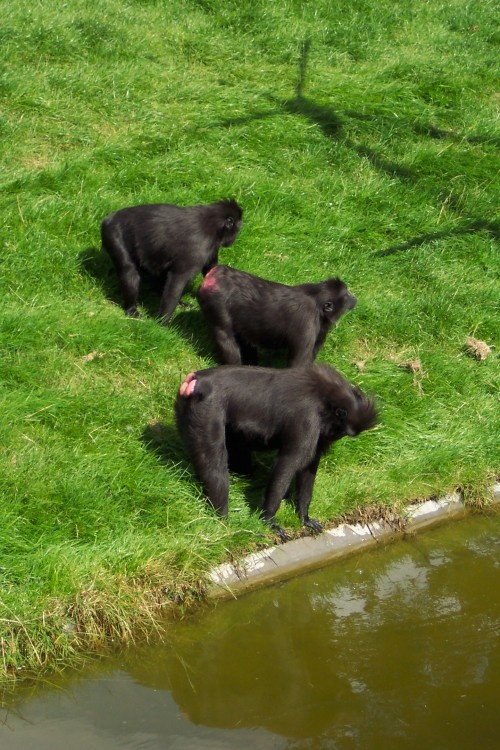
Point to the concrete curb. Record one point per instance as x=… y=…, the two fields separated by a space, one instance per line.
x=306 y=553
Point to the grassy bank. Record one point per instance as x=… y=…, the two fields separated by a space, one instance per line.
x=359 y=137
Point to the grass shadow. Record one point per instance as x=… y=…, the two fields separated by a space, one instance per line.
x=326 y=118
x=477 y=225
x=335 y=124
x=425 y=129
x=438 y=133
x=333 y=127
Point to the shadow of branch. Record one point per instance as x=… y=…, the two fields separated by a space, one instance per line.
x=477 y=225
x=333 y=123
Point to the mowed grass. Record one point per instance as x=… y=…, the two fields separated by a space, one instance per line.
x=361 y=139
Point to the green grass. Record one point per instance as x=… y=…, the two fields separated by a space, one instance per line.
x=360 y=139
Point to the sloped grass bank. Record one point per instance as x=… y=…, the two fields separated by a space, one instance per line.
x=360 y=139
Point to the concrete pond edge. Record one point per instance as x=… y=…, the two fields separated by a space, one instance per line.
x=299 y=555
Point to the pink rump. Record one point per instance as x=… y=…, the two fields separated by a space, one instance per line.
x=188 y=385
x=209 y=283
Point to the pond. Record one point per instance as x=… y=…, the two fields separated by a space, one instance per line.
x=397 y=647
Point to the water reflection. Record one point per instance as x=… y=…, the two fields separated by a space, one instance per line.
x=395 y=648
x=339 y=653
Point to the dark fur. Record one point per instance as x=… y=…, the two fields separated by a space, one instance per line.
x=246 y=312
x=167 y=240
x=231 y=411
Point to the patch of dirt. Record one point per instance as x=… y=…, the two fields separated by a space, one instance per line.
x=92 y=355
x=375 y=513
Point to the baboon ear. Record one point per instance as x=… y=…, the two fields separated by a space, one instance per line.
x=229 y=223
x=341 y=413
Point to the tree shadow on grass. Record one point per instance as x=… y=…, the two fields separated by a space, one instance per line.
x=477 y=225
x=334 y=124
x=425 y=129
x=438 y=133
x=331 y=125
x=327 y=119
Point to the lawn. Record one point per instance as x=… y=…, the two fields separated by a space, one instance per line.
x=360 y=138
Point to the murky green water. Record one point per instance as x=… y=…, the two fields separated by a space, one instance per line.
x=395 y=648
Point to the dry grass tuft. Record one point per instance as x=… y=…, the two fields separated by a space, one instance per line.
x=477 y=349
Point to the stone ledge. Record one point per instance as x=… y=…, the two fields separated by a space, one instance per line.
x=281 y=561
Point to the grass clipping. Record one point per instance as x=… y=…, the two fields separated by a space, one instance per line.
x=476 y=348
